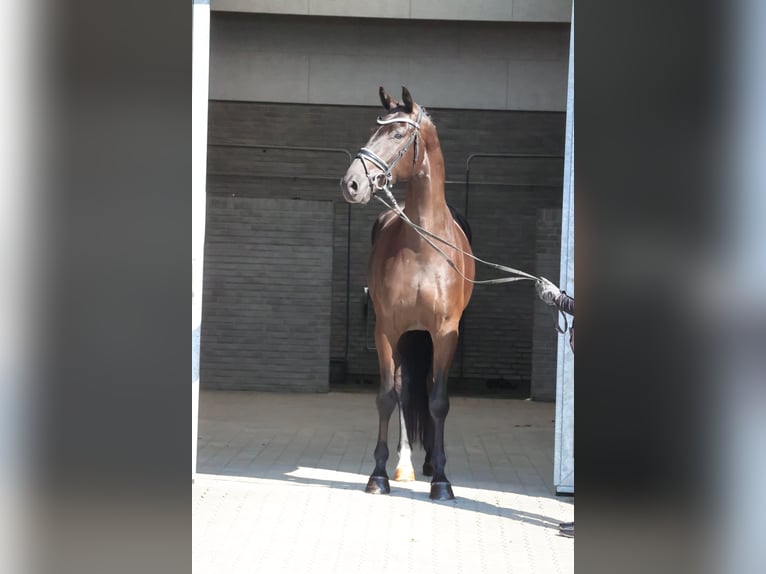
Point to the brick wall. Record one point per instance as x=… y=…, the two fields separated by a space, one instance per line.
x=504 y=199
x=266 y=294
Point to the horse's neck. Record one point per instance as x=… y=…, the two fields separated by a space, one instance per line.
x=425 y=203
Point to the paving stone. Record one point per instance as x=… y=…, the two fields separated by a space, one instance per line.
x=280 y=489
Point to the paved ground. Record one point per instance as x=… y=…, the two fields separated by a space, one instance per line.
x=281 y=478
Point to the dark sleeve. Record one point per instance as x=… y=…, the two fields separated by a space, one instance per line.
x=565 y=303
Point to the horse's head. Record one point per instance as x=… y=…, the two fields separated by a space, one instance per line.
x=392 y=153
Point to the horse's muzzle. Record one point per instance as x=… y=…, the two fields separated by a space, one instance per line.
x=355 y=187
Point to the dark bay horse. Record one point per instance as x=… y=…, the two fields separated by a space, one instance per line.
x=417 y=296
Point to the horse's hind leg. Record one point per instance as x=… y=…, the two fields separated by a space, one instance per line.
x=404 y=471
x=438 y=403
x=386 y=401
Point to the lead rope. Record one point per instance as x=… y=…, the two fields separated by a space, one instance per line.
x=425 y=234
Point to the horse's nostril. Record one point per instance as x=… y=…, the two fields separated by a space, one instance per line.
x=353 y=185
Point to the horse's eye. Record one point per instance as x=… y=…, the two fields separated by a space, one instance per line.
x=398 y=135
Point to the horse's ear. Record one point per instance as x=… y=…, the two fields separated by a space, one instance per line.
x=385 y=99
x=407 y=100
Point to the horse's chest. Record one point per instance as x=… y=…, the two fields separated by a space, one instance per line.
x=410 y=284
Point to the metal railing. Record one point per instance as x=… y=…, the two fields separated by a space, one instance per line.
x=468 y=161
x=473 y=156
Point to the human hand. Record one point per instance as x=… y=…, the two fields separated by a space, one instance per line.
x=547 y=291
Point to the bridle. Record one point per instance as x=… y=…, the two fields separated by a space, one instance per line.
x=381 y=181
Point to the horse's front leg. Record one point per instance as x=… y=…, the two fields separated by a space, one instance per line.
x=386 y=401
x=438 y=404
x=428 y=442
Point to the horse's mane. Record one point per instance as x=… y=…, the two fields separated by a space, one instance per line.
x=462 y=223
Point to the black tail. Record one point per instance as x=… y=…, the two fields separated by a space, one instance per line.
x=415 y=350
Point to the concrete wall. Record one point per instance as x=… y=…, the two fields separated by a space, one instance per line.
x=492 y=10
x=505 y=198
x=342 y=61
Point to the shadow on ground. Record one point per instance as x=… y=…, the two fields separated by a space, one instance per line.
x=463 y=500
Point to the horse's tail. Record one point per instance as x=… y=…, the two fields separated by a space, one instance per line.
x=416 y=351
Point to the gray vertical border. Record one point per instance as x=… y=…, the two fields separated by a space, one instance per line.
x=200 y=76
x=563 y=465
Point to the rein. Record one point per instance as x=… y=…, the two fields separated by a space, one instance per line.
x=382 y=182
x=425 y=234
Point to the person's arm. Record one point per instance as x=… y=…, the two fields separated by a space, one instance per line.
x=565 y=303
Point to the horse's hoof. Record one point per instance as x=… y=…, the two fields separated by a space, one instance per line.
x=406 y=474
x=428 y=469
x=378 y=485
x=441 y=491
